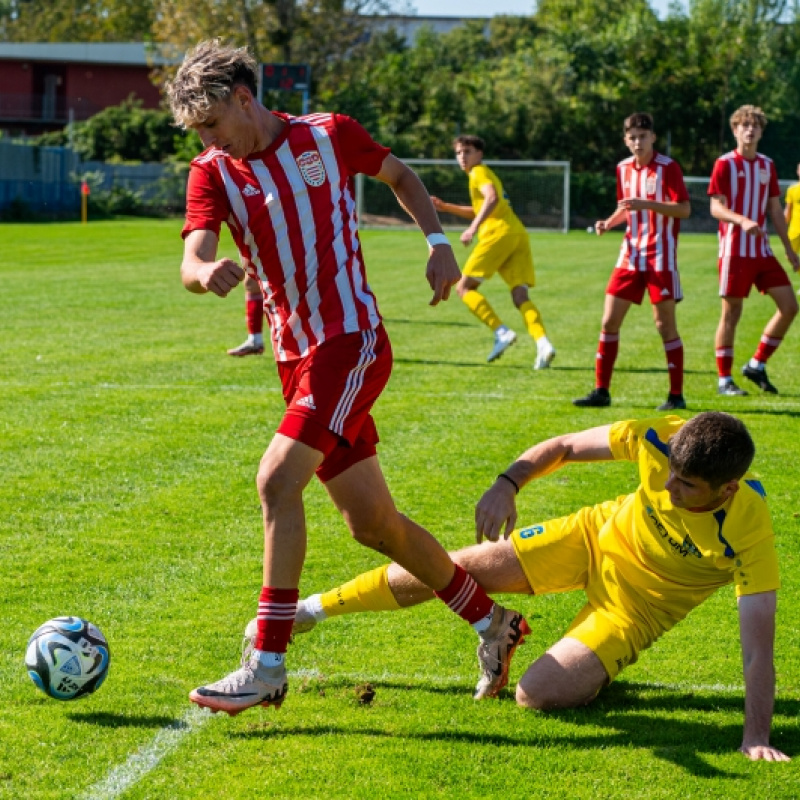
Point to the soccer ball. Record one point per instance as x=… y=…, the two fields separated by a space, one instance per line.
x=67 y=658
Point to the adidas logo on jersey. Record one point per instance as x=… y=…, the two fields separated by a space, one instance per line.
x=250 y=191
x=307 y=402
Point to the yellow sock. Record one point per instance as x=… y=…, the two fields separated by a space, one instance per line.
x=481 y=308
x=368 y=592
x=533 y=320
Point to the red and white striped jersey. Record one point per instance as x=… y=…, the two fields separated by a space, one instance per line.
x=291 y=211
x=651 y=239
x=746 y=186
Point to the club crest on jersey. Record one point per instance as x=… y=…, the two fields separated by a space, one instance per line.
x=311 y=168
x=763 y=176
x=652 y=183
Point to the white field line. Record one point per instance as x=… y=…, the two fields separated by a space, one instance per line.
x=147 y=758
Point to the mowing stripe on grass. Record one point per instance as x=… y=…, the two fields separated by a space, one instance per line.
x=121 y=778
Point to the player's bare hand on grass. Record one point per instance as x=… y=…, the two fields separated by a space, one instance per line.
x=442 y=273
x=763 y=752
x=220 y=276
x=600 y=227
x=496 y=509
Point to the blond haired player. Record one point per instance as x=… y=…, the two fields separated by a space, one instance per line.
x=697 y=521
x=285 y=186
x=503 y=247
x=744 y=192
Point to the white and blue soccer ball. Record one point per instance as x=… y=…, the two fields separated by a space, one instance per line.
x=67 y=658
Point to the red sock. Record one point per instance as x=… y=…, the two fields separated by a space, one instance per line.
x=724 y=361
x=766 y=347
x=276 y=610
x=254 y=309
x=607 y=350
x=465 y=597
x=674 y=352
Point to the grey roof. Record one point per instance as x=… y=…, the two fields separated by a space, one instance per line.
x=138 y=54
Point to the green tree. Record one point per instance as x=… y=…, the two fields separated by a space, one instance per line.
x=76 y=20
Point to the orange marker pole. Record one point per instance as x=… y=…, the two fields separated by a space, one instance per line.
x=84 y=202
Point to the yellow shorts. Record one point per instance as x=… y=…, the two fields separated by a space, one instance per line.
x=795 y=243
x=503 y=249
x=562 y=555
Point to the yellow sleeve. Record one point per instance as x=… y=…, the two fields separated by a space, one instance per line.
x=625 y=438
x=757 y=568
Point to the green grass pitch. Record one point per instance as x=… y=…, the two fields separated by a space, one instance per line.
x=128 y=447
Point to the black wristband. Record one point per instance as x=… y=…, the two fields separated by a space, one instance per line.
x=510 y=480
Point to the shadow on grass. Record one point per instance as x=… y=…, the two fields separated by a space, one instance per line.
x=105 y=719
x=427 y=323
x=622 y=710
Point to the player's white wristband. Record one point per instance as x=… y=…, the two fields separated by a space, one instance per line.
x=437 y=238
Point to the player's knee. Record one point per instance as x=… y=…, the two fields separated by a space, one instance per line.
x=790 y=312
x=376 y=528
x=274 y=485
x=543 y=698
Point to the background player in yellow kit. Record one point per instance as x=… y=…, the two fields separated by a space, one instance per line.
x=503 y=247
x=696 y=522
x=792 y=214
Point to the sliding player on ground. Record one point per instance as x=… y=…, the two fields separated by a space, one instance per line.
x=697 y=521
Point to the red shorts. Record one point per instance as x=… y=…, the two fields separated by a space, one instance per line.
x=738 y=274
x=630 y=284
x=329 y=395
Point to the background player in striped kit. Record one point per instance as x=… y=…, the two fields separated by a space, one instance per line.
x=253 y=345
x=744 y=190
x=652 y=199
x=285 y=187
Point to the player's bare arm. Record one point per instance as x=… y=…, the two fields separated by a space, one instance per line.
x=757 y=633
x=453 y=208
x=442 y=271
x=490 y=201
x=778 y=220
x=497 y=510
x=720 y=211
x=668 y=208
x=202 y=272
x=617 y=218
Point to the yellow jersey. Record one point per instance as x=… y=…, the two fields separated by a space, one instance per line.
x=673 y=557
x=502 y=215
x=793 y=197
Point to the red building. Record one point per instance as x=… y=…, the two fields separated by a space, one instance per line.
x=43 y=86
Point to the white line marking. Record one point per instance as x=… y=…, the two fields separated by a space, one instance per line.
x=146 y=759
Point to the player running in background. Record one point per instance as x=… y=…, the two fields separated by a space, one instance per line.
x=253 y=345
x=285 y=187
x=503 y=247
x=696 y=522
x=792 y=214
x=652 y=200
x=744 y=191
